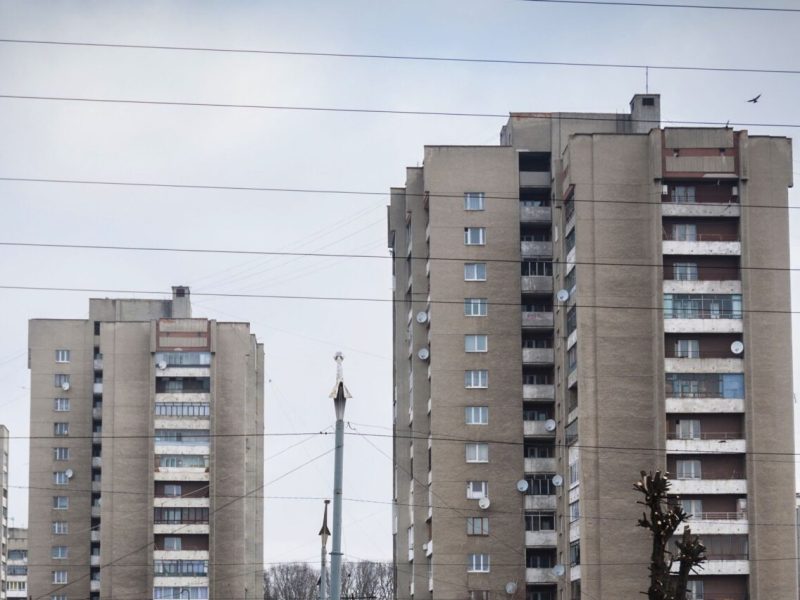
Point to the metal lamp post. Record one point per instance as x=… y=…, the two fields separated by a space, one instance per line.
x=340 y=396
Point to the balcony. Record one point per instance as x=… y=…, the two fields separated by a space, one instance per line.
x=728 y=443
x=98 y=364
x=96 y=511
x=536 y=429
x=704 y=209
x=721 y=567
x=94 y=560
x=702 y=248
x=702 y=325
x=429 y=548
x=540 y=576
x=94 y=535
x=534 y=179
x=180 y=528
x=94 y=585
x=195 y=397
x=540 y=465
x=537 y=356
x=718 y=523
x=97 y=388
x=541 y=538
x=537 y=284
x=96 y=485
x=97 y=412
x=704 y=405
x=180 y=555
x=180 y=474
x=97 y=462
x=538 y=392
x=704 y=286
x=537 y=320
x=704 y=365
x=532 y=249
x=535 y=214
x=694 y=487
x=540 y=502
x=181 y=502
x=178 y=371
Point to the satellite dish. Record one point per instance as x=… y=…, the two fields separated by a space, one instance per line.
x=162 y=365
x=422 y=317
x=562 y=295
x=737 y=347
x=511 y=587
x=559 y=570
x=558 y=480
x=522 y=486
x=550 y=425
x=484 y=503
x=69 y=473
x=65 y=386
x=423 y=354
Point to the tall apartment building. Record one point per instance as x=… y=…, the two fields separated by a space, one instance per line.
x=593 y=297
x=4 y=514
x=17 y=580
x=146 y=458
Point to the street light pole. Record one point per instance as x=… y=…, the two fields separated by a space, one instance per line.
x=340 y=396
x=323 y=568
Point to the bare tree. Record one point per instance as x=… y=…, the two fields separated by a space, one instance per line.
x=362 y=580
x=291 y=581
x=366 y=580
x=662 y=521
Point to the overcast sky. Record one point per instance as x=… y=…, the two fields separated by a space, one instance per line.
x=306 y=150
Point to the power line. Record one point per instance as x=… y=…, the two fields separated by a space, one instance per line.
x=360 y=299
x=662 y=5
x=385 y=111
x=404 y=57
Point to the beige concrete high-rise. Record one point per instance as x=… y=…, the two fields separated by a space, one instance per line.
x=146 y=459
x=593 y=297
x=17 y=571
x=4 y=513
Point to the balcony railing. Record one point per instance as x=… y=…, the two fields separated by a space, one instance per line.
x=723 y=353
x=706 y=435
x=700 y=237
x=718 y=516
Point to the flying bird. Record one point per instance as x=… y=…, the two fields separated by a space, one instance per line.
x=754 y=100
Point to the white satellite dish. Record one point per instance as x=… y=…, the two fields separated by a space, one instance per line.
x=562 y=295
x=65 y=386
x=422 y=317
x=737 y=347
x=423 y=353
x=69 y=473
x=162 y=365
x=550 y=425
x=511 y=587
x=559 y=570
x=558 y=480
x=484 y=503
x=522 y=486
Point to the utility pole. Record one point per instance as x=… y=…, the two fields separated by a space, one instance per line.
x=323 y=569
x=340 y=396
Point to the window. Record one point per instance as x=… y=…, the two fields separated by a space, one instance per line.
x=572 y=320
x=694 y=589
x=182 y=409
x=571 y=433
x=540 y=558
x=60 y=502
x=684 y=271
x=574 y=473
x=537 y=268
x=477 y=525
x=61 y=404
x=705 y=385
x=475 y=307
x=693 y=508
x=60 y=478
x=574 y=553
x=540 y=484
x=688 y=469
x=59 y=552
x=574 y=511
x=184 y=359
x=59 y=527
x=572 y=358
x=539 y=449
x=182 y=436
x=172 y=543
x=58 y=597
x=60 y=453
x=172 y=490
x=477 y=563
x=62 y=356
x=569 y=241
x=537 y=379
x=687 y=348
x=475 y=236
x=476 y=379
x=183 y=460
x=474 y=201
x=60 y=429
x=60 y=577
x=180 y=593
x=180 y=568
x=477 y=489
x=540 y=521
x=687 y=429
x=59 y=379
x=476 y=343
x=684 y=232
x=184 y=514
x=479 y=595
x=474 y=271
x=476 y=415
x=477 y=453
x=683 y=194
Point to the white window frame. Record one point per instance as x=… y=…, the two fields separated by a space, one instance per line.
x=476 y=307
x=685 y=271
x=474 y=201
x=475 y=271
x=60 y=429
x=476 y=342
x=477 y=489
x=60 y=502
x=477 y=452
x=478 y=563
x=61 y=404
x=60 y=577
x=60 y=379
x=59 y=552
x=168 y=488
x=688 y=469
x=60 y=478
x=694 y=589
x=684 y=232
x=476 y=415
x=172 y=542
x=60 y=453
x=687 y=348
x=62 y=356
x=474 y=236
x=574 y=511
x=693 y=507
x=59 y=527
x=476 y=379
x=688 y=429
x=477 y=525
